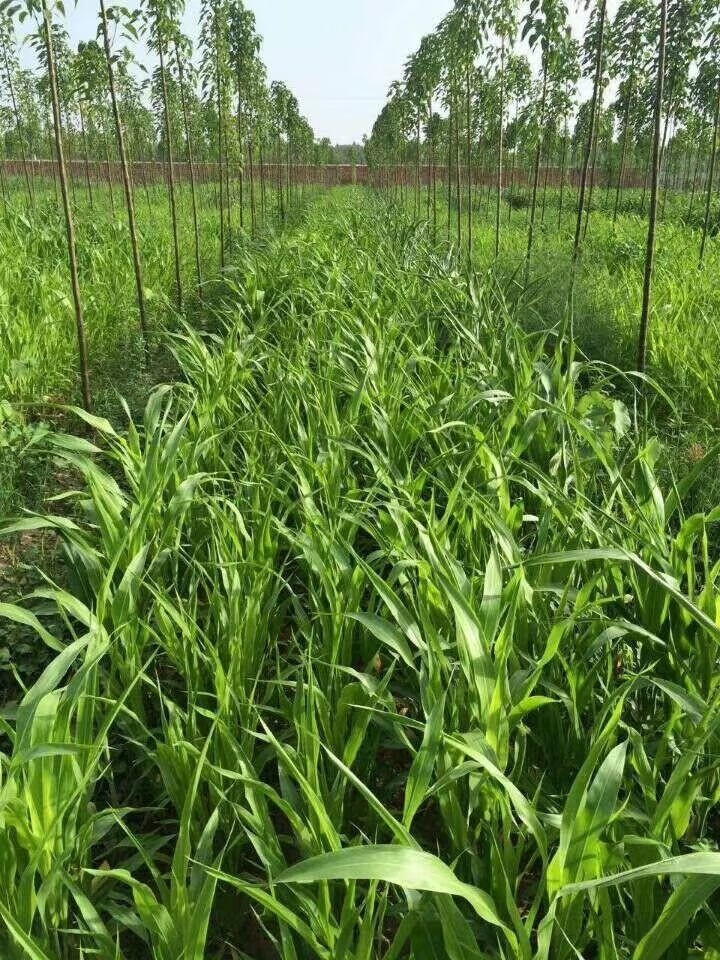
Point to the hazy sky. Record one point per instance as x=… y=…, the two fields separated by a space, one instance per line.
x=338 y=56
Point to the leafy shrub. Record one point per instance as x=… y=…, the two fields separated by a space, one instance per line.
x=518 y=199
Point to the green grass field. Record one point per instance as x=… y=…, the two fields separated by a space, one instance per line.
x=388 y=626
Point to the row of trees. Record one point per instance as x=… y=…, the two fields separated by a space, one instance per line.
x=497 y=87
x=26 y=111
x=98 y=102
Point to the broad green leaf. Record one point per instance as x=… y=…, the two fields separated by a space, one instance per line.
x=418 y=780
x=20 y=615
x=386 y=633
x=403 y=866
x=684 y=902
x=689 y=864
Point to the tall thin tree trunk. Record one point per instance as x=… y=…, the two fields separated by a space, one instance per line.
x=191 y=166
x=608 y=175
x=228 y=190
x=655 y=183
x=404 y=185
x=3 y=186
x=693 y=185
x=486 y=168
x=513 y=164
x=646 y=178
x=591 y=133
x=108 y=167
x=85 y=152
x=623 y=154
x=545 y=185
x=288 y=155
x=53 y=157
x=251 y=171
x=458 y=183
x=468 y=158
x=143 y=173
x=127 y=184
x=563 y=166
x=241 y=154
x=279 y=178
x=449 y=172
x=687 y=166
x=416 y=204
x=263 y=197
x=665 y=162
x=221 y=202
x=69 y=224
x=432 y=185
x=501 y=144
x=69 y=154
x=536 y=173
x=593 y=169
x=428 y=192
x=18 y=126
x=667 y=178
x=170 y=169
x=711 y=176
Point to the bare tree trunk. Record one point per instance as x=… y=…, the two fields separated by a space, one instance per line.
x=18 y=126
x=458 y=183
x=536 y=174
x=501 y=144
x=432 y=186
x=545 y=185
x=3 y=186
x=428 y=193
x=263 y=197
x=127 y=184
x=69 y=157
x=711 y=176
x=108 y=167
x=191 y=165
x=228 y=191
x=655 y=183
x=221 y=201
x=416 y=204
x=563 y=166
x=251 y=170
x=591 y=134
x=468 y=157
x=288 y=155
x=485 y=169
x=241 y=154
x=593 y=168
x=645 y=185
x=608 y=176
x=278 y=179
x=85 y=153
x=449 y=172
x=143 y=174
x=687 y=166
x=171 y=171
x=623 y=155
x=668 y=164
x=69 y=224
x=693 y=186
x=53 y=157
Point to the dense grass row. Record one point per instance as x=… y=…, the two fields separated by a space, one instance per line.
x=38 y=360
x=38 y=363
x=685 y=335
x=386 y=579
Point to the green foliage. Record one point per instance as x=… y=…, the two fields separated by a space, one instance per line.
x=385 y=638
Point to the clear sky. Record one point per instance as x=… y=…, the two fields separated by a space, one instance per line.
x=338 y=56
